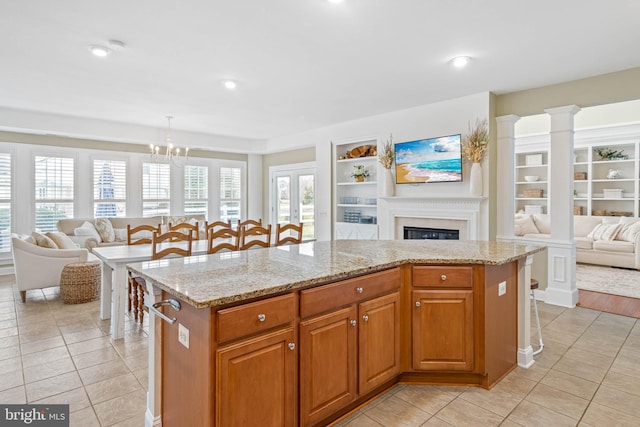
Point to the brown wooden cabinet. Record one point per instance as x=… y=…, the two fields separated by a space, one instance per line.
x=257 y=381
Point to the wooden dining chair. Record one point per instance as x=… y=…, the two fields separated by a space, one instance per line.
x=144 y=238
x=137 y=236
x=185 y=227
x=255 y=236
x=249 y=223
x=288 y=234
x=159 y=249
x=224 y=238
x=216 y=226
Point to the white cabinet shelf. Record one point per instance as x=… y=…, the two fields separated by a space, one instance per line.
x=355 y=213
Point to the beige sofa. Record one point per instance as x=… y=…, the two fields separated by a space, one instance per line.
x=603 y=240
x=71 y=225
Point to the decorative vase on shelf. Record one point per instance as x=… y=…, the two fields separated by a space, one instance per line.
x=359 y=178
x=387 y=183
x=475 y=180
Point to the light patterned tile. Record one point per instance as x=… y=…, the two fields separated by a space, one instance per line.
x=9 y=352
x=529 y=414
x=14 y=395
x=359 y=420
x=51 y=386
x=10 y=380
x=10 y=365
x=48 y=369
x=46 y=344
x=622 y=382
x=77 y=399
x=89 y=345
x=95 y=357
x=123 y=408
x=104 y=371
x=83 y=335
x=84 y=418
x=589 y=357
x=617 y=399
x=462 y=413
x=429 y=399
x=570 y=384
x=112 y=388
x=581 y=370
x=598 y=415
x=396 y=411
x=558 y=401
x=45 y=356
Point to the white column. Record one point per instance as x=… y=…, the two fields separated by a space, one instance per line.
x=505 y=175
x=525 y=351
x=153 y=416
x=254 y=188
x=561 y=284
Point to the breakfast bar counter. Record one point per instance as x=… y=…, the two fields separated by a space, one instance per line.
x=302 y=334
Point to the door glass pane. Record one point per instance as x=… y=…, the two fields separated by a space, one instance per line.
x=306 y=192
x=283 y=206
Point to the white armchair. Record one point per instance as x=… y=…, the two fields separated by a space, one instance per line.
x=37 y=267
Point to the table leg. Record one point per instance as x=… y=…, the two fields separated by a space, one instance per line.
x=105 y=291
x=525 y=351
x=119 y=305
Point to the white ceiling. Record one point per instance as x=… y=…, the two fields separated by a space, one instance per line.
x=300 y=64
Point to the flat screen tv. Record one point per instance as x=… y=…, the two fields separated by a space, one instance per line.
x=429 y=160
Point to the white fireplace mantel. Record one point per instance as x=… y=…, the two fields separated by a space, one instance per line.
x=464 y=209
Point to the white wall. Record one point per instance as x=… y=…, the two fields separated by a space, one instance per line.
x=426 y=121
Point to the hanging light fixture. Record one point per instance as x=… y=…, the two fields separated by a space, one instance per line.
x=172 y=154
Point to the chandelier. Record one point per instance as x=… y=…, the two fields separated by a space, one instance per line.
x=171 y=154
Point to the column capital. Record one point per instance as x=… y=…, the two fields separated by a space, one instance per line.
x=567 y=109
x=509 y=118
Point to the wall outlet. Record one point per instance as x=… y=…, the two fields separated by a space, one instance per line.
x=502 y=288
x=183 y=335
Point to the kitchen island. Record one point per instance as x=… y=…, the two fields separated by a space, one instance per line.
x=302 y=334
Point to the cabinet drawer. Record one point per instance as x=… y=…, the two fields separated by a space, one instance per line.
x=247 y=319
x=442 y=277
x=328 y=297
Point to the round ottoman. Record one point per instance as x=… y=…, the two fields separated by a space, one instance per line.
x=80 y=282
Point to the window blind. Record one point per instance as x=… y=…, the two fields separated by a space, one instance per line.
x=54 y=191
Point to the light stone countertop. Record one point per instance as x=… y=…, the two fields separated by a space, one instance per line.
x=228 y=277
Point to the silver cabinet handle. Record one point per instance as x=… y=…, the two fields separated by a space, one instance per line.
x=262 y=317
x=174 y=303
x=443 y=277
x=353 y=322
x=359 y=290
x=418 y=304
x=292 y=346
x=365 y=318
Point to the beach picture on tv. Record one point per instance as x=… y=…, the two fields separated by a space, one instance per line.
x=429 y=160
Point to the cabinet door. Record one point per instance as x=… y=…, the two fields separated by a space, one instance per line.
x=256 y=383
x=328 y=370
x=379 y=341
x=443 y=330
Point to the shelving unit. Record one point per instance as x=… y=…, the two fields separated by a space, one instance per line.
x=355 y=203
x=532 y=163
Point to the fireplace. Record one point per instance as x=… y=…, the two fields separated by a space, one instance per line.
x=426 y=233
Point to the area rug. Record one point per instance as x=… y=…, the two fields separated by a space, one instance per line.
x=608 y=280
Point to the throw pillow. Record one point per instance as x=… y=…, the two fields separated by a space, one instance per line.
x=175 y=220
x=605 y=232
x=44 y=241
x=121 y=234
x=524 y=225
x=61 y=240
x=105 y=229
x=629 y=231
x=89 y=230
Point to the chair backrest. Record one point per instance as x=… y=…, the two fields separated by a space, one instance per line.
x=145 y=238
x=288 y=233
x=248 y=223
x=172 y=244
x=224 y=238
x=185 y=227
x=215 y=226
x=255 y=236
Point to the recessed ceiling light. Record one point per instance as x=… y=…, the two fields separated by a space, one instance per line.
x=100 y=51
x=230 y=84
x=460 y=61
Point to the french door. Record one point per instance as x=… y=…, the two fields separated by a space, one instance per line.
x=293 y=196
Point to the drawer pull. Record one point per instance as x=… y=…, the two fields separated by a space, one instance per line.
x=365 y=318
x=262 y=317
x=359 y=290
x=443 y=277
x=292 y=346
x=353 y=322
x=418 y=304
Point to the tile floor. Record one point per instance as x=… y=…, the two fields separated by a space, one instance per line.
x=587 y=375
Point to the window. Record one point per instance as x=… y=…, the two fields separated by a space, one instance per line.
x=156 y=189
x=54 y=190
x=230 y=193
x=109 y=188
x=196 y=190
x=5 y=202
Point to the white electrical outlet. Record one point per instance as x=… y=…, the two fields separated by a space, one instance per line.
x=502 y=288
x=183 y=335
